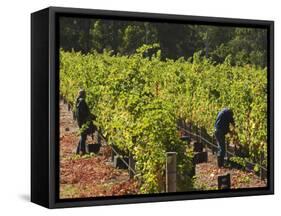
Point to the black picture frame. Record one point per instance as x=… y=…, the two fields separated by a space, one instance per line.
x=45 y=109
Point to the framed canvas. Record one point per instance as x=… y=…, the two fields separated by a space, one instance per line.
x=138 y=107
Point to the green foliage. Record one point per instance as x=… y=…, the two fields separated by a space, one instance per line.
x=138 y=100
x=245 y=45
x=240 y=161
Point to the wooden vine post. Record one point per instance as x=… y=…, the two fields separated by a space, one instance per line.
x=131 y=165
x=171 y=171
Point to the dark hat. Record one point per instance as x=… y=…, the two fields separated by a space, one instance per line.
x=82 y=93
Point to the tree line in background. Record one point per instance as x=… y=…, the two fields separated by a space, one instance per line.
x=241 y=45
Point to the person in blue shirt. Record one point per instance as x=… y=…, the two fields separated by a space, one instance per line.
x=223 y=120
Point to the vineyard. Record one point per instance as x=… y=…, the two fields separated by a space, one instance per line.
x=139 y=101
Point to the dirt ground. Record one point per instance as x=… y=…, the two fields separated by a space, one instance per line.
x=207 y=176
x=94 y=175
x=89 y=175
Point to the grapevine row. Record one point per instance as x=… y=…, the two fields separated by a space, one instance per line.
x=138 y=100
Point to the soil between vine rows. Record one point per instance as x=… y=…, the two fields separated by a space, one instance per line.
x=90 y=175
x=207 y=175
x=94 y=175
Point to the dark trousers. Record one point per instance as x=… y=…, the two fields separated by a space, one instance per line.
x=82 y=144
x=220 y=137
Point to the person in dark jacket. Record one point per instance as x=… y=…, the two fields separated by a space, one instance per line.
x=223 y=120
x=84 y=120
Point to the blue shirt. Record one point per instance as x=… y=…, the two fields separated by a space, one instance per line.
x=224 y=118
